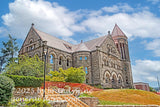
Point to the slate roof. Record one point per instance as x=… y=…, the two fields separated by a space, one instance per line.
x=95 y=42
x=117 y=31
x=68 y=47
x=55 y=42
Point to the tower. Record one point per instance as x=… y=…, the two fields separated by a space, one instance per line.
x=121 y=42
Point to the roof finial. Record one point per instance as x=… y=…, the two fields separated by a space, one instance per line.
x=81 y=41
x=109 y=33
x=32 y=24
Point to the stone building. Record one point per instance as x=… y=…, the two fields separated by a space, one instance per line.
x=141 y=86
x=105 y=59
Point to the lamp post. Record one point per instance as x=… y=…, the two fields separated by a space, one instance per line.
x=45 y=54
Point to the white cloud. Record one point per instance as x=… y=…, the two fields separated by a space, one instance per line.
x=146 y=71
x=154 y=46
x=139 y=24
x=118 y=8
x=70 y=40
x=59 y=21
x=154 y=1
x=49 y=17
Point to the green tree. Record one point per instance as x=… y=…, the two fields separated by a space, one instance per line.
x=6 y=88
x=9 y=51
x=75 y=75
x=26 y=66
x=152 y=89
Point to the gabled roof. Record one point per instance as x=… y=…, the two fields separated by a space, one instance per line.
x=81 y=47
x=95 y=42
x=55 y=42
x=117 y=31
x=68 y=47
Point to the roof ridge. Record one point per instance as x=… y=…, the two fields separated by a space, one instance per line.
x=52 y=36
x=82 y=46
x=94 y=39
x=117 y=31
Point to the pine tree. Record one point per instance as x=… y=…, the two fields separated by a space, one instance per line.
x=9 y=51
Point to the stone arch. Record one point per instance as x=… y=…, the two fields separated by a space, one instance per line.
x=61 y=58
x=52 y=57
x=52 y=60
x=106 y=78
x=37 y=53
x=52 y=52
x=30 y=40
x=114 y=78
x=68 y=61
x=120 y=79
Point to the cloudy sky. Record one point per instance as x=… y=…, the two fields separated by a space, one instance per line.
x=76 y=20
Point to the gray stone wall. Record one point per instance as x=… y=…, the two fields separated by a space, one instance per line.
x=104 y=65
x=84 y=62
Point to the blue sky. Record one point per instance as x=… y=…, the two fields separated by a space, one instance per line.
x=76 y=20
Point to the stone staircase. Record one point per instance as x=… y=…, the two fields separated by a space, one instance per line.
x=72 y=100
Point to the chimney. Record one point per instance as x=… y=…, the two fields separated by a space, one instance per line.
x=32 y=24
x=109 y=33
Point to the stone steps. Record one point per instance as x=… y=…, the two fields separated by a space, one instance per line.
x=72 y=100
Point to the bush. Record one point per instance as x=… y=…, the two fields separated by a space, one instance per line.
x=6 y=88
x=75 y=75
x=26 y=67
x=98 y=86
x=26 y=81
x=29 y=103
x=85 y=95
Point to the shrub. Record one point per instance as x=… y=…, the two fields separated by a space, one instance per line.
x=29 y=103
x=6 y=88
x=55 y=76
x=26 y=67
x=98 y=86
x=75 y=75
x=37 y=103
x=85 y=95
x=26 y=81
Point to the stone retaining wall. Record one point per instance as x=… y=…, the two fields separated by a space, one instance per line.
x=127 y=106
x=62 y=103
x=93 y=102
x=90 y=101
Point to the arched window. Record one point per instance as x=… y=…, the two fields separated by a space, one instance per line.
x=51 y=59
x=67 y=62
x=30 y=41
x=60 y=60
x=113 y=79
x=107 y=78
x=87 y=80
x=126 y=80
x=119 y=80
x=86 y=70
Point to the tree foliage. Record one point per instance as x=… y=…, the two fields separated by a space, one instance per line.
x=26 y=66
x=75 y=75
x=9 y=51
x=152 y=89
x=6 y=88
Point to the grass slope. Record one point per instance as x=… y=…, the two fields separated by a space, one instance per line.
x=126 y=97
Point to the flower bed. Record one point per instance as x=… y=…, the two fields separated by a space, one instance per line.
x=82 y=87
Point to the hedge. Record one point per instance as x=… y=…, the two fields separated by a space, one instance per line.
x=26 y=81
x=6 y=88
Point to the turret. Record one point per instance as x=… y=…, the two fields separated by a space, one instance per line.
x=121 y=42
